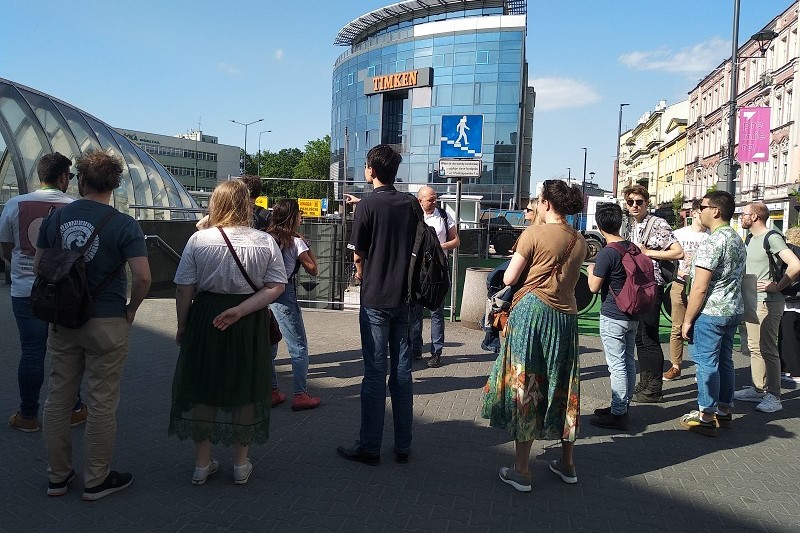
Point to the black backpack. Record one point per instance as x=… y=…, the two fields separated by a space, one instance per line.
x=261 y=217
x=428 y=279
x=777 y=268
x=60 y=293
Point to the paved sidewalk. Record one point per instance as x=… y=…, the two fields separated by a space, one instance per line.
x=656 y=477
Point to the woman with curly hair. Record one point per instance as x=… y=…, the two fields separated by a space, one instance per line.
x=533 y=390
x=227 y=276
x=284 y=227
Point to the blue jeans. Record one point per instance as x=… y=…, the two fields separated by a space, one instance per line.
x=290 y=320
x=619 y=343
x=33 y=341
x=437 y=330
x=384 y=332
x=711 y=349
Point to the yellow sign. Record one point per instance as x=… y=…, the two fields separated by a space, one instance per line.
x=262 y=201
x=310 y=208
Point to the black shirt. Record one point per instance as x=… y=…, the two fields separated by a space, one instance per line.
x=608 y=265
x=383 y=234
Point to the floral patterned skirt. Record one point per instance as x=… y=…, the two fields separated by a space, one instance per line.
x=533 y=390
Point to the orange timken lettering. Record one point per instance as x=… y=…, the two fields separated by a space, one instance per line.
x=402 y=80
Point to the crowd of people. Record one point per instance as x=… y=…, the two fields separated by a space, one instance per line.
x=236 y=298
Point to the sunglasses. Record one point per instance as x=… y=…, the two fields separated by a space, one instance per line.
x=529 y=210
x=71 y=175
x=702 y=207
x=637 y=202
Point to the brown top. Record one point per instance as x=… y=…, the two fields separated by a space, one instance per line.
x=542 y=246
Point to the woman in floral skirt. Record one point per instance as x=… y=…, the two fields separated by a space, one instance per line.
x=533 y=390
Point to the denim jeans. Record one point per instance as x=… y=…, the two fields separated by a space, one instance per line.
x=711 y=349
x=619 y=342
x=437 y=329
x=384 y=332
x=290 y=320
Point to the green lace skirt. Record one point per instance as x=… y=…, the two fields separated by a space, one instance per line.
x=533 y=390
x=221 y=389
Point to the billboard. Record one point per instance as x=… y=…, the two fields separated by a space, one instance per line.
x=754 y=135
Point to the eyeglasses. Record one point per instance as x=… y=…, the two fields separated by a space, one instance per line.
x=742 y=215
x=702 y=207
x=637 y=202
x=529 y=210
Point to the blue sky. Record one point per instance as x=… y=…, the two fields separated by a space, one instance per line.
x=159 y=66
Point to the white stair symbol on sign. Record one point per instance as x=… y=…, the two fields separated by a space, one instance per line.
x=462 y=148
x=748 y=114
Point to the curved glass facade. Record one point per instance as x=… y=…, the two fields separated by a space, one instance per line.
x=475 y=72
x=33 y=124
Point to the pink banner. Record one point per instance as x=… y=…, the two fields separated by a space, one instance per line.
x=754 y=135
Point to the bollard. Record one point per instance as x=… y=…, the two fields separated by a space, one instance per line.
x=473 y=297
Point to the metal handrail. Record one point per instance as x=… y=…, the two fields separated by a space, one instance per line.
x=168 y=208
x=161 y=243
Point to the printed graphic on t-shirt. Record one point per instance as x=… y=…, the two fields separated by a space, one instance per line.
x=31 y=215
x=75 y=233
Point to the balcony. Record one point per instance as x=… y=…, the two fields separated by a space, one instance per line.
x=765 y=81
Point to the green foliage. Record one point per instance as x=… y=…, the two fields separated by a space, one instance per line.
x=677 y=207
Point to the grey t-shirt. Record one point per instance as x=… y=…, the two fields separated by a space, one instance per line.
x=758 y=262
x=119 y=240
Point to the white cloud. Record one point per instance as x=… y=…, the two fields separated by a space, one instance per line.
x=698 y=59
x=226 y=68
x=279 y=54
x=559 y=93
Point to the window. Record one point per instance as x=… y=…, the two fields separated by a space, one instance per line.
x=350 y=79
x=482 y=57
x=439 y=60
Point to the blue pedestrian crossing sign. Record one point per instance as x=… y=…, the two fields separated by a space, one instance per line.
x=462 y=136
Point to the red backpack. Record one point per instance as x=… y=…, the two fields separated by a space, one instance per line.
x=638 y=294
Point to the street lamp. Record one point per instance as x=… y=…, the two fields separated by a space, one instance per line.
x=245 y=124
x=583 y=187
x=591 y=178
x=569 y=175
x=616 y=161
x=259 y=150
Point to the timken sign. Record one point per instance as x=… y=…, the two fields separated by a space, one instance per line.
x=402 y=80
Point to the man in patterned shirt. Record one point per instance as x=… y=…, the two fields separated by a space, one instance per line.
x=713 y=312
x=655 y=237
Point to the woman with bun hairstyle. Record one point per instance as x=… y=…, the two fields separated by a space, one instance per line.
x=533 y=390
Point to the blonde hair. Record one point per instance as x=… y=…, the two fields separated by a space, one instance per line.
x=230 y=205
x=793 y=235
x=534 y=204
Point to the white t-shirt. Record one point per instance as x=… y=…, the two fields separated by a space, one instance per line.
x=207 y=263
x=291 y=253
x=20 y=222
x=438 y=223
x=689 y=240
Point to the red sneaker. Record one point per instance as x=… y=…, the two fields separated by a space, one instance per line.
x=277 y=397
x=303 y=401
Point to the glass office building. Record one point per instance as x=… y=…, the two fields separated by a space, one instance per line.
x=410 y=64
x=33 y=124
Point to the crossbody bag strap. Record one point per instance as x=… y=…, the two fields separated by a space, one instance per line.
x=553 y=272
x=238 y=262
x=648 y=228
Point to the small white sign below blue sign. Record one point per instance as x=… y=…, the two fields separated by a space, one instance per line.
x=462 y=136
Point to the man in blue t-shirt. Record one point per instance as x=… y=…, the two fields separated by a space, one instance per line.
x=617 y=329
x=98 y=348
x=383 y=236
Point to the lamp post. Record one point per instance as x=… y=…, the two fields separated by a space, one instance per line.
x=569 y=175
x=591 y=178
x=259 y=150
x=616 y=161
x=583 y=187
x=245 y=124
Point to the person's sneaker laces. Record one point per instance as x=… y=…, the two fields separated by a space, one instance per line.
x=61 y=488
x=671 y=374
x=770 y=404
x=694 y=422
x=567 y=474
x=277 y=397
x=519 y=481
x=115 y=481
x=303 y=401
x=201 y=473
x=78 y=417
x=26 y=425
x=748 y=394
x=241 y=473
x=724 y=420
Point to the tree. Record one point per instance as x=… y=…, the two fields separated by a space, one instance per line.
x=677 y=207
x=314 y=165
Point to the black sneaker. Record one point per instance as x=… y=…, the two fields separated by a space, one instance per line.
x=435 y=361
x=115 y=481
x=611 y=421
x=645 y=397
x=59 y=489
x=356 y=453
x=603 y=411
x=401 y=457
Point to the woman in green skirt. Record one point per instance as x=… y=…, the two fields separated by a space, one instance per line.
x=227 y=276
x=533 y=390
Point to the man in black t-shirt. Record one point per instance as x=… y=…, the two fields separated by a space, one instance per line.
x=617 y=329
x=383 y=235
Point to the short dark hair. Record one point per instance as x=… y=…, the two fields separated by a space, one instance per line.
x=608 y=216
x=722 y=200
x=696 y=203
x=253 y=185
x=641 y=190
x=51 y=166
x=565 y=199
x=385 y=161
x=101 y=171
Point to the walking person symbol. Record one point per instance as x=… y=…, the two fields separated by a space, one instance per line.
x=462 y=132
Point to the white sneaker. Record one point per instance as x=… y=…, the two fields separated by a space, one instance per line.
x=201 y=474
x=770 y=404
x=241 y=473
x=748 y=394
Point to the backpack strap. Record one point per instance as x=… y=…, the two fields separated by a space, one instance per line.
x=238 y=261
x=443 y=214
x=647 y=229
